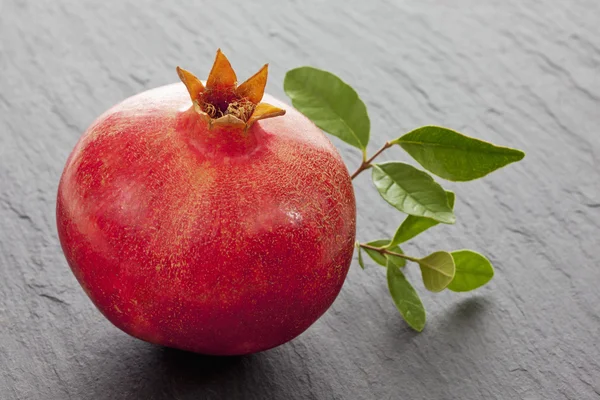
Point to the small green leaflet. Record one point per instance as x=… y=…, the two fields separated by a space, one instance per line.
x=405 y=298
x=453 y=156
x=412 y=191
x=437 y=270
x=472 y=271
x=330 y=103
x=383 y=259
x=412 y=226
x=360 y=259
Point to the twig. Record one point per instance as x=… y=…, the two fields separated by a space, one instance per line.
x=366 y=164
x=382 y=250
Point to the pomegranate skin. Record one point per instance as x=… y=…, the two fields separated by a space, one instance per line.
x=217 y=241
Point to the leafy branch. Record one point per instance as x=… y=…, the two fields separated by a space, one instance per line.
x=336 y=108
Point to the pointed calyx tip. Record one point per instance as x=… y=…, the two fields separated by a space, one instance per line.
x=222 y=102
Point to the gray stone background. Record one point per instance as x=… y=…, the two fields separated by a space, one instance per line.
x=518 y=73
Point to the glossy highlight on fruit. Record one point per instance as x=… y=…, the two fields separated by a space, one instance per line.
x=197 y=217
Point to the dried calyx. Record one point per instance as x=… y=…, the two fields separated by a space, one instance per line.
x=222 y=102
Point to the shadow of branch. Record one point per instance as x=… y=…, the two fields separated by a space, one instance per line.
x=463 y=318
x=468 y=311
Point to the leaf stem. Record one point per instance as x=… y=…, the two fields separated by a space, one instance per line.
x=382 y=250
x=366 y=164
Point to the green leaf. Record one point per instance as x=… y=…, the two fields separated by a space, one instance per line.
x=437 y=270
x=472 y=271
x=360 y=258
x=406 y=298
x=330 y=103
x=412 y=191
x=383 y=259
x=412 y=226
x=453 y=156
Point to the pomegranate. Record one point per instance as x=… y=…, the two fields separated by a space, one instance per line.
x=197 y=217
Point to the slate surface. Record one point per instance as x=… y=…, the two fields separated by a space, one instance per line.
x=524 y=74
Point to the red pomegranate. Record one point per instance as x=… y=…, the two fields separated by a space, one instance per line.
x=219 y=225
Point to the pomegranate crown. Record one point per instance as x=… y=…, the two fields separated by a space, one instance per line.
x=222 y=102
